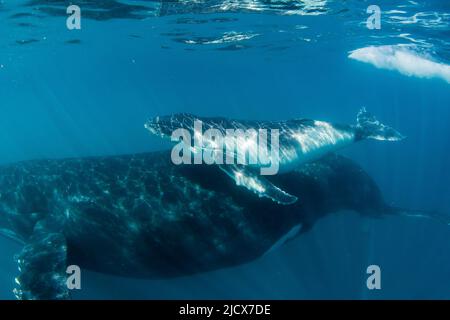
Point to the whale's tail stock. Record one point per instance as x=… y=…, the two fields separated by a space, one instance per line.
x=435 y=215
x=368 y=127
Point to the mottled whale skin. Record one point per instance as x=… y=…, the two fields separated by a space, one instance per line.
x=141 y=216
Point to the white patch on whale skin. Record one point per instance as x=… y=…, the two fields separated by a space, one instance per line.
x=322 y=136
x=79 y=198
x=404 y=59
x=314 y=142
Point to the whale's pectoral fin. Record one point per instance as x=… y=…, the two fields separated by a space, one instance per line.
x=42 y=266
x=245 y=177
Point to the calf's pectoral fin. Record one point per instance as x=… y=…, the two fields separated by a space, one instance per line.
x=257 y=184
x=42 y=266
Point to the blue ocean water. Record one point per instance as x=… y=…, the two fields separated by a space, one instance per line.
x=76 y=93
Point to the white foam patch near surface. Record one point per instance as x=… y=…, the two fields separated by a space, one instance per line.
x=404 y=59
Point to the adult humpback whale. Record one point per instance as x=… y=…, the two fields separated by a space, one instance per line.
x=141 y=216
x=296 y=142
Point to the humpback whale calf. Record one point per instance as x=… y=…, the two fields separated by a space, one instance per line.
x=296 y=142
x=142 y=216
